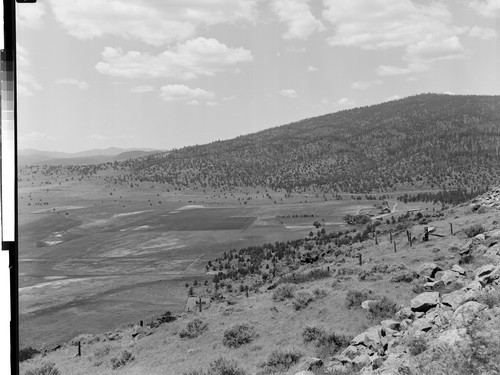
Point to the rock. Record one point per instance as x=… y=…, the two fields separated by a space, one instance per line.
x=391 y=324
x=371 y=338
x=423 y=324
x=310 y=363
x=450 y=337
x=365 y=305
x=483 y=272
x=493 y=252
x=304 y=373
x=404 y=313
x=481 y=237
x=433 y=285
x=458 y=297
x=456 y=268
x=428 y=269
x=465 y=314
x=361 y=360
x=425 y=301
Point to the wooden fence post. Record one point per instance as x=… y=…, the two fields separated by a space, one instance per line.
x=141 y=323
x=451 y=228
x=390 y=234
x=200 y=303
x=394 y=246
x=360 y=259
x=79 y=349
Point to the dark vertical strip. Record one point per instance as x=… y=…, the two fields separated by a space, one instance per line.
x=9 y=7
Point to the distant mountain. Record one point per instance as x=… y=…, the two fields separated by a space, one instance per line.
x=428 y=141
x=93 y=156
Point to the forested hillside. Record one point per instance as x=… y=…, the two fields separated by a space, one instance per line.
x=428 y=141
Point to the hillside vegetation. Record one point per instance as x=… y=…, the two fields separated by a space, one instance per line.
x=428 y=141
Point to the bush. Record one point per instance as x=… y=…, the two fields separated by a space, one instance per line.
x=404 y=277
x=474 y=230
x=302 y=300
x=312 y=275
x=491 y=298
x=46 y=369
x=284 y=291
x=220 y=366
x=354 y=298
x=466 y=259
x=330 y=344
x=417 y=344
x=282 y=360
x=27 y=353
x=238 y=335
x=312 y=334
x=319 y=293
x=382 y=309
x=125 y=358
x=194 y=329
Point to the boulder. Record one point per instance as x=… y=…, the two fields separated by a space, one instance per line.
x=456 y=268
x=425 y=301
x=404 y=313
x=465 y=314
x=365 y=305
x=449 y=277
x=493 y=252
x=428 y=269
x=433 y=285
x=423 y=324
x=391 y=324
x=458 y=297
x=450 y=337
x=308 y=364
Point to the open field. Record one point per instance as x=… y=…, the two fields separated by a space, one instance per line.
x=91 y=261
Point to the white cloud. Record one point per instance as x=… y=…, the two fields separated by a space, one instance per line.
x=391 y=98
x=98 y=137
x=365 y=85
x=345 y=102
x=298 y=17
x=311 y=69
x=82 y=85
x=390 y=70
x=482 y=32
x=184 y=93
x=289 y=93
x=30 y=15
x=189 y=60
x=141 y=89
x=486 y=8
x=229 y=98
x=26 y=84
x=426 y=32
x=211 y=104
x=156 y=25
x=35 y=136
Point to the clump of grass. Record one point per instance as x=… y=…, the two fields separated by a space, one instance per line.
x=474 y=230
x=354 y=298
x=27 y=353
x=117 y=362
x=466 y=259
x=404 y=277
x=383 y=309
x=319 y=293
x=284 y=291
x=302 y=300
x=330 y=344
x=280 y=360
x=305 y=277
x=194 y=329
x=238 y=335
x=417 y=344
x=47 y=368
x=220 y=366
x=312 y=334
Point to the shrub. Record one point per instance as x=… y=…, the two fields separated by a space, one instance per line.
x=282 y=360
x=355 y=297
x=474 y=230
x=382 y=309
x=404 y=277
x=302 y=300
x=238 y=335
x=284 y=291
x=27 y=353
x=47 y=368
x=466 y=259
x=491 y=298
x=311 y=334
x=194 y=329
x=417 y=344
x=330 y=344
x=312 y=275
x=220 y=366
x=125 y=358
x=319 y=293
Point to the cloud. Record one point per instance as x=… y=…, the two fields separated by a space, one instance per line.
x=189 y=60
x=141 y=89
x=391 y=98
x=211 y=104
x=35 y=136
x=298 y=17
x=482 y=32
x=82 y=85
x=486 y=8
x=390 y=70
x=27 y=84
x=364 y=85
x=425 y=32
x=98 y=137
x=171 y=93
x=30 y=15
x=311 y=69
x=345 y=102
x=163 y=23
x=289 y=93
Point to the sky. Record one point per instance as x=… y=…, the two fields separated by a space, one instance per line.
x=166 y=74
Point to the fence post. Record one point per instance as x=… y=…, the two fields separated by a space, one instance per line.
x=394 y=246
x=390 y=234
x=79 y=349
x=451 y=228
x=141 y=323
x=360 y=259
x=246 y=290
x=376 y=239
x=200 y=303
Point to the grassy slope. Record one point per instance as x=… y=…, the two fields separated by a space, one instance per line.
x=278 y=324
